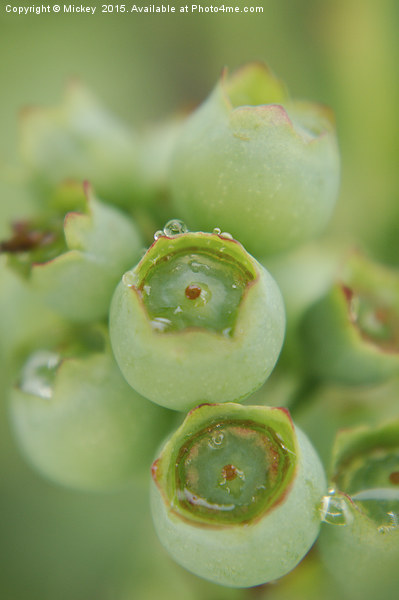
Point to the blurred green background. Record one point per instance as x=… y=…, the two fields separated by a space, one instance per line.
x=57 y=544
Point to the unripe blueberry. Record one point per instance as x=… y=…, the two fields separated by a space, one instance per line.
x=198 y=319
x=24 y=321
x=81 y=425
x=351 y=335
x=258 y=164
x=75 y=256
x=80 y=139
x=360 y=540
x=236 y=494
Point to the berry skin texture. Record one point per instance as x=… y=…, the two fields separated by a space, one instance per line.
x=259 y=540
x=260 y=165
x=197 y=320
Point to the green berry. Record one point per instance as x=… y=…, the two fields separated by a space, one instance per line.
x=363 y=552
x=79 y=140
x=235 y=494
x=198 y=319
x=24 y=321
x=351 y=335
x=258 y=164
x=74 y=260
x=81 y=425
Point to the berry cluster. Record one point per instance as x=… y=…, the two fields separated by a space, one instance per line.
x=111 y=345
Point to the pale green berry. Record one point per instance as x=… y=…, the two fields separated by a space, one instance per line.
x=236 y=493
x=79 y=139
x=258 y=164
x=81 y=425
x=24 y=321
x=351 y=335
x=197 y=320
x=74 y=260
x=360 y=540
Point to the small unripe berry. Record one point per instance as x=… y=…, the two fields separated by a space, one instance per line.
x=197 y=320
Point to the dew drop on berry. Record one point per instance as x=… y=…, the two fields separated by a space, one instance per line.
x=216 y=441
x=175 y=227
x=158 y=234
x=335 y=509
x=38 y=374
x=130 y=279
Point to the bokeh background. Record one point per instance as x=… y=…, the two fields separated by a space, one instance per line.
x=62 y=545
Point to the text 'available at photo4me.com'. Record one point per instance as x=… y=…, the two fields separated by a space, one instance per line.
x=131 y=9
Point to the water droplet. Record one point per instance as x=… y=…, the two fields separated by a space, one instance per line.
x=38 y=373
x=226 y=235
x=217 y=231
x=175 y=227
x=381 y=504
x=197 y=266
x=177 y=310
x=216 y=440
x=161 y=324
x=158 y=234
x=335 y=509
x=130 y=279
x=393 y=523
x=147 y=289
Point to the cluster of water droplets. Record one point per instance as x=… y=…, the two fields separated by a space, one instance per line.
x=177 y=227
x=171 y=228
x=38 y=374
x=223 y=234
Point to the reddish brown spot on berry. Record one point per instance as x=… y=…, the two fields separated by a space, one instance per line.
x=25 y=238
x=192 y=292
x=229 y=472
x=348 y=293
x=394 y=477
